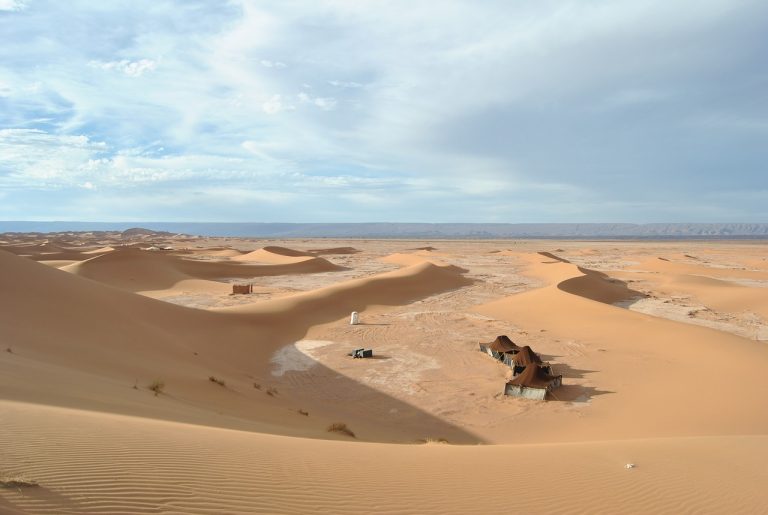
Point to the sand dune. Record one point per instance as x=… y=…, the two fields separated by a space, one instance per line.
x=99 y=250
x=598 y=286
x=106 y=464
x=404 y=259
x=717 y=294
x=638 y=360
x=284 y=251
x=113 y=339
x=229 y=253
x=663 y=265
x=396 y=287
x=267 y=255
x=79 y=351
x=334 y=250
x=51 y=252
x=139 y=270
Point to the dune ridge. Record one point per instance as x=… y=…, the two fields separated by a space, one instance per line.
x=140 y=270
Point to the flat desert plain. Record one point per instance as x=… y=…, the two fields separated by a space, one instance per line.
x=133 y=381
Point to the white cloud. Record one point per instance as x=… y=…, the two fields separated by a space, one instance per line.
x=489 y=102
x=345 y=84
x=12 y=5
x=129 y=68
x=275 y=105
x=324 y=103
x=272 y=64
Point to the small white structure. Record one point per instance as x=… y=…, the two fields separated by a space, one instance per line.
x=354 y=319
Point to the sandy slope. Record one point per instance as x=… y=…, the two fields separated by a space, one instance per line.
x=98 y=341
x=96 y=463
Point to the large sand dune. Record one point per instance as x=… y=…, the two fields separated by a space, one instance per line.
x=99 y=339
x=249 y=389
x=140 y=270
x=648 y=367
x=95 y=463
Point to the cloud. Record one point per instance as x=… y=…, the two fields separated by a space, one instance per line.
x=12 y=5
x=345 y=84
x=272 y=64
x=275 y=105
x=324 y=103
x=129 y=68
x=538 y=111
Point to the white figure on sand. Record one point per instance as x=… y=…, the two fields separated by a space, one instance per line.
x=354 y=319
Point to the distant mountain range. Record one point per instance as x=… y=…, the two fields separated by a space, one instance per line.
x=413 y=230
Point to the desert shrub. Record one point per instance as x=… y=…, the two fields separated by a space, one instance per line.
x=157 y=386
x=17 y=482
x=340 y=427
x=302 y=412
x=430 y=440
x=219 y=382
x=271 y=391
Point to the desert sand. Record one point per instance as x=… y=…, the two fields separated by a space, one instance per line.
x=132 y=381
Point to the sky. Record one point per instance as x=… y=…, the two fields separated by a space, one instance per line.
x=390 y=111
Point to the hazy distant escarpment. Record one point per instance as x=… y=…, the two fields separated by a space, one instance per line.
x=412 y=230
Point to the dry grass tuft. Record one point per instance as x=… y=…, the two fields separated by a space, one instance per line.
x=302 y=412
x=157 y=386
x=257 y=386
x=219 y=382
x=341 y=427
x=271 y=391
x=432 y=441
x=17 y=482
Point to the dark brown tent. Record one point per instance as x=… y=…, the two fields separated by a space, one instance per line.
x=503 y=344
x=535 y=376
x=526 y=356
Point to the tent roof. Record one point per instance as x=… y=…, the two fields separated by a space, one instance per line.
x=503 y=344
x=533 y=376
x=526 y=356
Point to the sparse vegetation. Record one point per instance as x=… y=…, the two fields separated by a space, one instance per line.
x=17 y=482
x=257 y=386
x=271 y=391
x=341 y=427
x=430 y=440
x=9 y=350
x=157 y=386
x=216 y=380
x=302 y=412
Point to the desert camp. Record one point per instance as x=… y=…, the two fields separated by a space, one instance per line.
x=532 y=378
x=250 y=249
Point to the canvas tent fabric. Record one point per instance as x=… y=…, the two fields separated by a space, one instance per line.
x=535 y=376
x=526 y=356
x=503 y=344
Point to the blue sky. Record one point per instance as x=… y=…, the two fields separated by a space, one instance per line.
x=333 y=111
